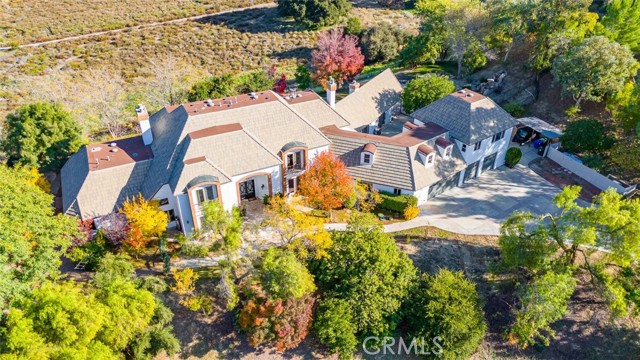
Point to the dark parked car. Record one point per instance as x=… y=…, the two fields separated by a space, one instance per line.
x=523 y=135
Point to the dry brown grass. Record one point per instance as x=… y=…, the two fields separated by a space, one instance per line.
x=36 y=20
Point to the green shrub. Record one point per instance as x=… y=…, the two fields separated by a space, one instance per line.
x=319 y=213
x=513 y=157
x=447 y=306
x=354 y=26
x=586 y=135
x=350 y=202
x=266 y=199
x=397 y=203
x=594 y=161
x=515 y=109
x=194 y=250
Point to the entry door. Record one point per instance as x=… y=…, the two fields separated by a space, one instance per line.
x=471 y=171
x=292 y=185
x=247 y=190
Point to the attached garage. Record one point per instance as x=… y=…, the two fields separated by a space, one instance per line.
x=488 y=162
x=470 y=172
x=443 y=185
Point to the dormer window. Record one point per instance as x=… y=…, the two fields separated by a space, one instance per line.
x=367 y=154
x=430 y=158
x=427 y=155
x=448 y=151
x=445 y=147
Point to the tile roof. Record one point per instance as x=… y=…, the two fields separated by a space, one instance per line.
x=372 y=99
x=269 y=119
x=396 y=163
x=467 y=118
x=315 y=109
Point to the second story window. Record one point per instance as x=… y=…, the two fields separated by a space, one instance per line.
x=206 y=193
x=295 y=160
x=464 y=147
x=366 y=158
x=497 y=137
x=477 y=145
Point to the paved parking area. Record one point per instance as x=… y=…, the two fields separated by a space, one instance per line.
x=482 y=204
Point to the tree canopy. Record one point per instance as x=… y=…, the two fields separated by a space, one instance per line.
x=326 y=184
x=366 y=269
x=422 y=91
x=40 y=135
x=315 y=14
x=33 y=237
x=336 y=55
x=283 y=276
x=595 y=68
x=586 y=136
x=447 y=305
x=382 y=43
x=622 y=23
x=541 y=250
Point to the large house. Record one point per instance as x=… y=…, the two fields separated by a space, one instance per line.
x=230 y=149
x=257 y=144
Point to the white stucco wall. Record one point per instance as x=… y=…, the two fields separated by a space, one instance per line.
x=166 y=193
x=486 y=148
x=314 y=152
x=184 y=212
x=422 y=195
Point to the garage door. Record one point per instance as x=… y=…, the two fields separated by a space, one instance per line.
x=443 y=185
x=471 y=171
x=488 y=162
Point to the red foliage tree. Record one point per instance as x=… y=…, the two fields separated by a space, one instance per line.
x=326 y=184
x=281 y=85
x=283 y=323
x=336 y=55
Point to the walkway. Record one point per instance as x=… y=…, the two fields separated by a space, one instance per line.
x=136 y=27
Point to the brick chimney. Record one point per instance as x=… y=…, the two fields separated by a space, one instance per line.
x=145 y=126
x=332 y=87
x=354 y=86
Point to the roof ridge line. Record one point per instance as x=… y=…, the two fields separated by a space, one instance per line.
x=255 y=138
x=283 y=101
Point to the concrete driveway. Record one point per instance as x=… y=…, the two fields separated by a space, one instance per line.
x=482 y=204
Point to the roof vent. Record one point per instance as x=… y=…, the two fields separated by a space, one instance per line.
x=112 y=144
x=209 y=102
x=461 y=91
x=469 y=95
x=253 y=96
x=97 y=148
x=114 y=150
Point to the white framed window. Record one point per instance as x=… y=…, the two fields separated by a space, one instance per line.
x=366 y=158
x=497 y=137
x=164 y=202
x=295 y=160
x=464 y=148
x=429 y=159
x=448 y=151
x=206 y=193
x=477 y=146
x=171 y=215
x=397 y=191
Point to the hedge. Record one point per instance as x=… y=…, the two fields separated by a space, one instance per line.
x=397 y=203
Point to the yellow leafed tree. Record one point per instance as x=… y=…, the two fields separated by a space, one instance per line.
x=145 y=216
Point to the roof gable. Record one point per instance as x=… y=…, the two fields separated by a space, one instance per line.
x=371 y=100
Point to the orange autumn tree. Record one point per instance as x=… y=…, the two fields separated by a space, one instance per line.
x=326 y=184
x=146 y=221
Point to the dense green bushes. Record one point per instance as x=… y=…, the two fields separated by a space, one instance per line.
x=216 y=87
x=513 y=157
x=397 y=203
